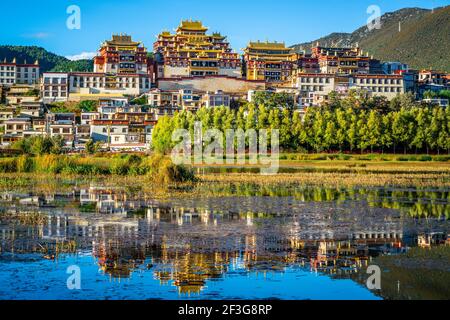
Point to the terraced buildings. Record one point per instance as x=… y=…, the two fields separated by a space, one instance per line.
x=191 y=52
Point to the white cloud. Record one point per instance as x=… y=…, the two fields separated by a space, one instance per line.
x=81 y=56
x=38 y=35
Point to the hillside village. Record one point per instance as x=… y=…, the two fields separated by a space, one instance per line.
x=120 y=102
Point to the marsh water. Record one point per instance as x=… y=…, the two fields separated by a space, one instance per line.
x=252 y=243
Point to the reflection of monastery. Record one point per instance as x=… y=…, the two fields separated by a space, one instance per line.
x=186 y=246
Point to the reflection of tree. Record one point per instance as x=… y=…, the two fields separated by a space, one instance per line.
x=413 y=201
x=118 y=260
x=420 y=274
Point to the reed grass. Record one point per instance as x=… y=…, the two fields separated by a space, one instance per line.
x=159 y=167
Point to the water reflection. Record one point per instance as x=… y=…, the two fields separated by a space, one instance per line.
x=189 y=242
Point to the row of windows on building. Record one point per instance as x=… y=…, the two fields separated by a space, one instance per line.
x=113 y=130
x=55 y=81
x=315 y=80
x=55 y=94
x=55 y=88
x=263 y=65
x=378 y=81
x=384 y=89
x=127 y=58
x=210 y=65
x=25 y=75
x=18 y=69
x=7 y=74
x=373 y=89
x=201 y=73
x=271 y=73
x=61 y=130
x=127 y=66
x=7 y=81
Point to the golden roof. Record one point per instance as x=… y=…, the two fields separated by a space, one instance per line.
x=122 y=40
x=190 y=25
x=166 y=34
x=267 y=45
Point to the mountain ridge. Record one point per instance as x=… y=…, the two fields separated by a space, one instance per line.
x=416 y=36
x=48 y=61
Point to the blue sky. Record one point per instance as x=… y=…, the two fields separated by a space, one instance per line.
x=43 y=23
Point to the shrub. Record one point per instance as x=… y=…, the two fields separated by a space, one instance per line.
x=24 y=164
x=441 y=158
x=119 y=167
x=425 y=158
x=344 y=157
x=164 y=171
x=8 y=165
x=51 y=163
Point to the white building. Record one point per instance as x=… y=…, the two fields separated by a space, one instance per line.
x=114 y=132
x=100 y=83
x=54 y=87
x=13 y=73
x=87 y=117
x=388 y=86
x=87 y=86
x=315 y=88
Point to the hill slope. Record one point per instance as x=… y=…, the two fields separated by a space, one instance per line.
x=422 y=41
x=47 y=60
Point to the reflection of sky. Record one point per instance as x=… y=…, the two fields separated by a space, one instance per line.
x=44 y=279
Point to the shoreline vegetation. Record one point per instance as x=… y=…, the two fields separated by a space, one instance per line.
x=157 y=168
x=299 y=169
x=382 y=183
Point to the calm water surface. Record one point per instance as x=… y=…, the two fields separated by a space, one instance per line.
x=307 y=244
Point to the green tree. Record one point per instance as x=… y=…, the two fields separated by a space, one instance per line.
x=286 y=129
x=373 y=129
x=342 y=127
x=162 y=135
x=57 y=145
x=363 y=131
x=92 y=147
x=353 y=135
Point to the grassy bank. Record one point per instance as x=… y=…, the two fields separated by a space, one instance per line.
x=159 y=168
x=333 y=170
x=305 y=169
